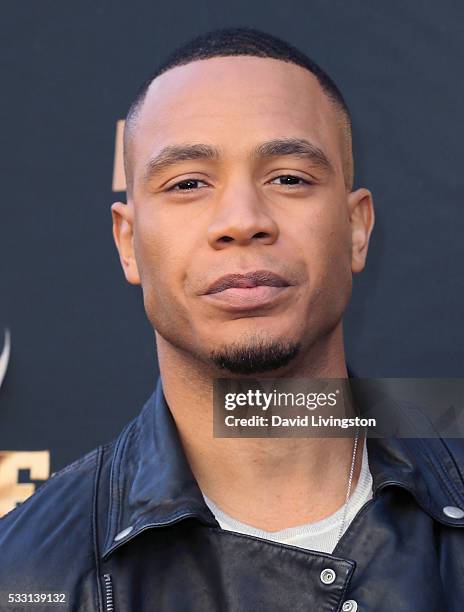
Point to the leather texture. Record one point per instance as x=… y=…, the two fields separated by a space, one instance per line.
x=400 y=553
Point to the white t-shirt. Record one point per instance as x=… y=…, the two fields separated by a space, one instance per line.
x=322 y=535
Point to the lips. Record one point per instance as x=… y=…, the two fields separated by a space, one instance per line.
x=243 y=294
x=247 y=281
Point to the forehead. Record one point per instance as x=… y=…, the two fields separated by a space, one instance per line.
x=233 y=103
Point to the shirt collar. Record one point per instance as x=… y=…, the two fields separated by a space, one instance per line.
x=152 y=484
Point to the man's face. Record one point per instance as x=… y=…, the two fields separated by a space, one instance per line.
x=265 y=193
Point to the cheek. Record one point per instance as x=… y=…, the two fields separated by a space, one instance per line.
x=337 y=263
x=156 y=262
x=151 y=244
x=326 y=238
x=160 y=252
x=327 y=252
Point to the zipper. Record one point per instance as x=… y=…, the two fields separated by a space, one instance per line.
x=108 y=593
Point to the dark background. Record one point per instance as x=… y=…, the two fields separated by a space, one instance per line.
x=82 y=360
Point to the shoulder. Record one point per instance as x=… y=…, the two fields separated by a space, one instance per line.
x=48 y=541
x=56 y=496
x=455 y=448
x=454 y=460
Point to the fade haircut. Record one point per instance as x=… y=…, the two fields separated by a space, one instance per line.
x=226 y=42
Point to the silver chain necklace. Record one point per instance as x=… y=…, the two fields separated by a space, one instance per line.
x=350 y=482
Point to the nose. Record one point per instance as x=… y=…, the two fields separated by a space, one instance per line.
x=241 y=217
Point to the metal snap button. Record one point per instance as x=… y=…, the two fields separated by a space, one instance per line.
x=350 y=606
x=453 y=512
x=122 y=534
x=328 y=576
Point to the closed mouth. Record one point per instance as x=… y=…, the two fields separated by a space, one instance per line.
x=247 y=281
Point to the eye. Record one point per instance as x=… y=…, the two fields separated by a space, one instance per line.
x=187 y=185
x=290 y=180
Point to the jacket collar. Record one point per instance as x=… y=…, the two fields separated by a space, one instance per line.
x=151 y=483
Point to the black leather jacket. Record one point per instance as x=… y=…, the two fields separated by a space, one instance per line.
x=126 y=528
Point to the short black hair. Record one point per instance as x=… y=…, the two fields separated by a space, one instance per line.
x=226 y=42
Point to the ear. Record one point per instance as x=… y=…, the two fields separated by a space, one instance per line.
x=123 y=234
x=361 y=214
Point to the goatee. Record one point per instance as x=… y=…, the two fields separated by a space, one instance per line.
x=256 y=356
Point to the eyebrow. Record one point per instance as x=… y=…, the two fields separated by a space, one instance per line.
x=279 y=147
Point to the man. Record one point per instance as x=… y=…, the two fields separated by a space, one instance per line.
x=243 y=229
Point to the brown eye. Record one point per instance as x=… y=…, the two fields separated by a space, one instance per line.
x=290 y=179
x=187 y=185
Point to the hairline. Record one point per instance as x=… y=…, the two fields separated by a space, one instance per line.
x=338 y=105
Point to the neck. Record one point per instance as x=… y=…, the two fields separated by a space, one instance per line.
x=270 y=483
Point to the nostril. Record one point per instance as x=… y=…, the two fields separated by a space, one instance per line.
x=261 y=235
x=225 y=239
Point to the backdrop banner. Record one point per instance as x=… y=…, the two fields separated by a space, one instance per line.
x=77 y=353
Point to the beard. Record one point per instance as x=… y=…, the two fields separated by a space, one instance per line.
x=255 y=356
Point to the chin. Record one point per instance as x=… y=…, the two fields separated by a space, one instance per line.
x=254 y=353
